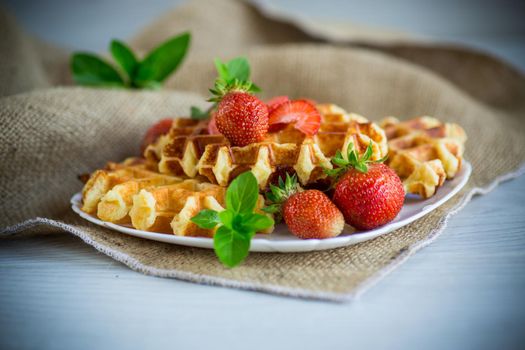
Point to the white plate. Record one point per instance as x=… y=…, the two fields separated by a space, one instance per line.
x=283 y=241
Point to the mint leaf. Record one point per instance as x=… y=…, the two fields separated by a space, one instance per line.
x=206 y=218
x=238 y=68
x=242 y=194
x=124 y=57
x=198 y=114
x=163 y=60
x=227 y=217
x=231 y=247
x=238 y=223
x=253 y=222
x=153 y=85
x=89 y=69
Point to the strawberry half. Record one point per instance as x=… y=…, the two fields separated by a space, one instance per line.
x=275 y=102
x=162 y=127
x=302 y=113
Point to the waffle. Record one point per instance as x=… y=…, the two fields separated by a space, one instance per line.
x=170 y=208
x=129 y=194
x=109 y=192
x=101 y=181
x=424 y=152
x=189 y=150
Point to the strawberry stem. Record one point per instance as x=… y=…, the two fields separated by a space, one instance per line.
x=232 y=76
x=352 y=160
x=280 y=193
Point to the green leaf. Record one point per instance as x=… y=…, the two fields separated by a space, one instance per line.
x=124 y=57
x=368 y=153
x=272 y=209
x=222 y=69
x=362 y=167
x=352 y=157
x=153 y=85
x=242 y=194
x=231 y=246
x=340 y=162
x=163 y=60
x=206 y=219
x=254 y=88
x=253 y=222
x=333 y=172
x=226 y=217
x=89 y=69
x=198 y=114
x=238 y=68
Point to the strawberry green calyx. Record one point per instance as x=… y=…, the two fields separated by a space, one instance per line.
x=279 y=194
x=352 y=160
x=222 y=87
x=233 y=75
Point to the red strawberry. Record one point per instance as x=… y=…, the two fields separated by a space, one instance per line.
x=162 y=127
x=301 y=112
x=275 y=102
x=242 y=118
x=308 y=214
x=368 y=195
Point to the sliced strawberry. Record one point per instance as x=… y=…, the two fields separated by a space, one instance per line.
x=162 y=127
x=275 y=102
x=301 y=112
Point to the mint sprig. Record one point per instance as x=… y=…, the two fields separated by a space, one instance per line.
x=238 y=223
x=91 y=70
x=232 y=75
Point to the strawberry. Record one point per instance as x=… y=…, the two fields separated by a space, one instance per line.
x=275 y=102
x=162 y=127
x=302 y=113
x=308 y=214
x=242 y=118
x=369 y=194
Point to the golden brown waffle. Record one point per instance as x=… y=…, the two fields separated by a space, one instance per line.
x=170 y=208
x=109 y=192
x=101 y=181
x=188 y=150
x=132 y=195
x=424 y=152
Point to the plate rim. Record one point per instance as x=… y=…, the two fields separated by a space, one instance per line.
x=261 y=244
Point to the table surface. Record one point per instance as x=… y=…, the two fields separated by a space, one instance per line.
x=465 y=291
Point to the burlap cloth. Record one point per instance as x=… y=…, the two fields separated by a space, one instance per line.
x=52 y=134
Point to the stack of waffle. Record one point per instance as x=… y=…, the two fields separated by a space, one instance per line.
x=129 y=194
x=424 y=152
x=188 y=169
x=189 y=150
